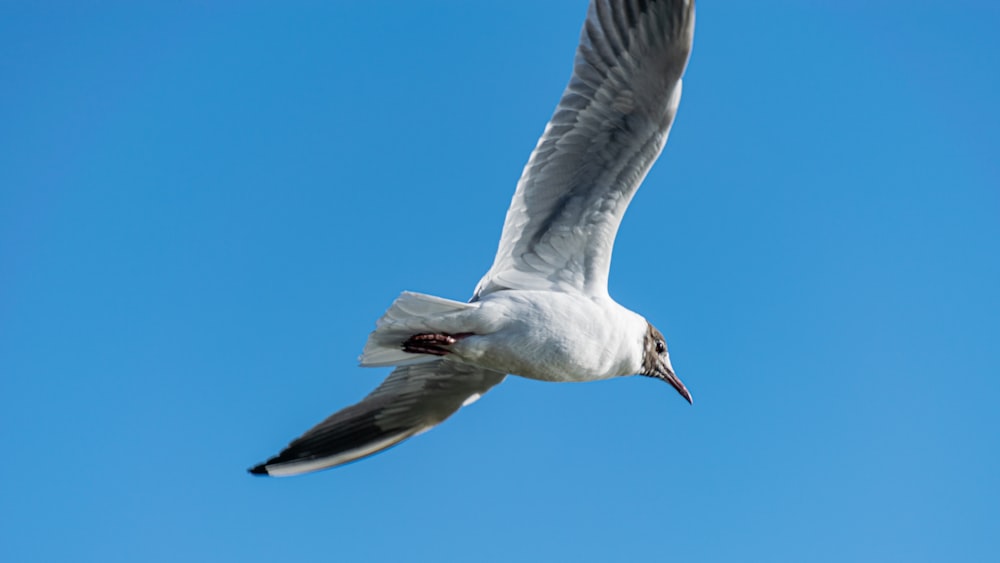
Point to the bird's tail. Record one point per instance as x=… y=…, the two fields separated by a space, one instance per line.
x=410 y=314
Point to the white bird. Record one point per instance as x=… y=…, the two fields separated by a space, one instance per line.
x=542 y=310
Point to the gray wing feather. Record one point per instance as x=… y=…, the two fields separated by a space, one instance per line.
x=411 y=400
x=609 y=127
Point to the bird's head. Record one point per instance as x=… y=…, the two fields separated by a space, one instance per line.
x=656 y=361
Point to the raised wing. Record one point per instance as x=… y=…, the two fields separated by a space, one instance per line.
x=610 y=125
x=411 y=400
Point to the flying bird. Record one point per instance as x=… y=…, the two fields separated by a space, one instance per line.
x=542 y=310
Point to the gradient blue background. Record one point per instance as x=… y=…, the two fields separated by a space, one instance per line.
x=204 y=208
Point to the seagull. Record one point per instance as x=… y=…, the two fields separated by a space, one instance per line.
x=542 y=311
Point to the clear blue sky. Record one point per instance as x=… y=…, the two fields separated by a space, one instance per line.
x=203 y=210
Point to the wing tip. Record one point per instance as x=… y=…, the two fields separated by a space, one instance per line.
x=260 y=469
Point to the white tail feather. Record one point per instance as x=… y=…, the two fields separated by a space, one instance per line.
x=411 y=313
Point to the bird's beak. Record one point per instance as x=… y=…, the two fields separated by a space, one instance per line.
x=665 y=372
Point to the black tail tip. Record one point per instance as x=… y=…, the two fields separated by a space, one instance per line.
x=258 y=470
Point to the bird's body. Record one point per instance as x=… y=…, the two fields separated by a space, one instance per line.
x=550 y=336
x=542 y=310
x=539 y=334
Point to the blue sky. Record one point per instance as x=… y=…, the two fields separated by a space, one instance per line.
x=203 y=210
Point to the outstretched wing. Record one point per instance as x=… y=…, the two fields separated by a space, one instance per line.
x=610 y=125
x=411 y=400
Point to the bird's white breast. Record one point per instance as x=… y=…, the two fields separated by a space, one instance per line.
x=554 y=336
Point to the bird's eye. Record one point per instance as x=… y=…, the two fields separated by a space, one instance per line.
x=661 y=347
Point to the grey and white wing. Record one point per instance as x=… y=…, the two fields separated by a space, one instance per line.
x=411 y=400
x=609 y=127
